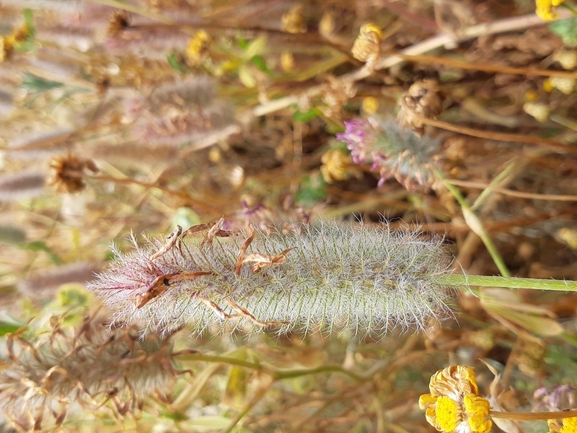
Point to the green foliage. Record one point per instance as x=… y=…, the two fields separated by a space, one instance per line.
x=38 y=84
x=312 y=191
x=567 y=29
x=41 y=246
x=175 y=63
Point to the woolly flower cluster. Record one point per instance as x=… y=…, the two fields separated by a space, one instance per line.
x=180 y=112
x=59 y=372
x=392 y=151
x=330 y=276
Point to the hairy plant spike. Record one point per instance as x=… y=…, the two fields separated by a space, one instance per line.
x=329 y=276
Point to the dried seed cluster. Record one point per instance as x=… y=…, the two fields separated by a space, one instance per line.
x=327 y=277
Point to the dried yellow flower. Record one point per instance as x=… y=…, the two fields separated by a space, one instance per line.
x=293 y=21
x=198 y=46
x=454 y=404
x=567 y=425
x=545 y=9
x=367 y=46
x=335 y=166
x=8 y=42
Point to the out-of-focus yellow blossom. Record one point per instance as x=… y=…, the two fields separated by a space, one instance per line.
x=545 y=9
x=8 y=42
x=197 y=46
x=567 y=58
x=454 y=404
x=563 y=84
x=538 y=110
x=370 y=105
x=570 y=236
x=293 y=21
x=567 y=425
x=335 y=165
x=287 y=61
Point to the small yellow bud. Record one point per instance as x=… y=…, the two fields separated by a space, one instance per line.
x=545 y=9
x=370 y=105
x=287 y=61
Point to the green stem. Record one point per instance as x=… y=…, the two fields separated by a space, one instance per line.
x=508 y=282
x=475 y=225
x=278 y=374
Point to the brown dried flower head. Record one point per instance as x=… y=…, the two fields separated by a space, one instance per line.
x=66 y=173
x=367 y=46
x=423 y=99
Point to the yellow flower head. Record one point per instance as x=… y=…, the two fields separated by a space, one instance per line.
x=454 y=404
x=567 y=425
x=197 y=46
x=545 y=9
x=335 y=165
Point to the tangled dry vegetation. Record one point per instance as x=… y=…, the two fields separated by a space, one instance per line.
x=456 y=118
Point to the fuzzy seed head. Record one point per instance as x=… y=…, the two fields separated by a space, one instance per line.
x=331 y=276
x=57 y=372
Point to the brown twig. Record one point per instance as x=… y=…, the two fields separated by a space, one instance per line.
x=510 y=192
x=499 y=136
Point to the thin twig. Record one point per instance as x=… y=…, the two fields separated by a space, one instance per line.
x=499 y=136
x=510 y=192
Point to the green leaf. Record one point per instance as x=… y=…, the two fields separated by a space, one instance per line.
x=6 y=327
x=307 y=116
x=38 y=84
x=29 y=21
x=245 y=77
x=260 y=63
x=41 y=246
x=255 y=48
x=567 y=29
x=313 y=190
x=174 y=63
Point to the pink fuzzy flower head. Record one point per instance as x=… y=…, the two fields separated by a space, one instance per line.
x=392 y=151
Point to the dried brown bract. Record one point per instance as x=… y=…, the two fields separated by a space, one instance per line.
x=336 y=94
x=67 y=171
x=258 y=260
x=423 y=99
x=118 y=22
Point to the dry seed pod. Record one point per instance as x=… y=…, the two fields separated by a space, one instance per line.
x=423 y=99
x=66 y=173
x=367 y=45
